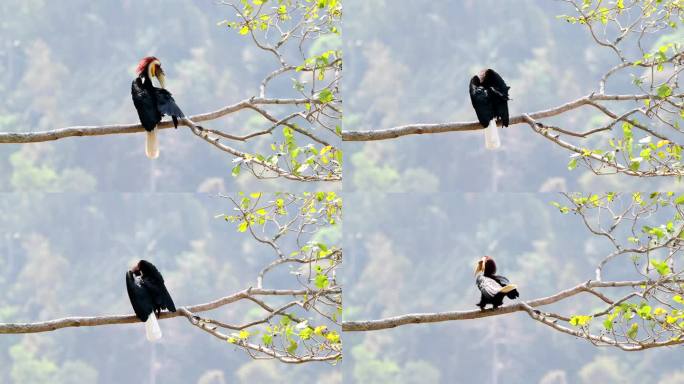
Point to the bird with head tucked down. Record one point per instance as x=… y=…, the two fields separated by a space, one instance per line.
x=493 y=287
x=489 y=96
x=152 y=102
x=149 y=296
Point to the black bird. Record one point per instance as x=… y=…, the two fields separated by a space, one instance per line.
x=492 y=286
x=148 y=296
x=489 y=96
x=152 y=102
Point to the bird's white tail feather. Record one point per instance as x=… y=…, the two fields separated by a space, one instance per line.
x=152 y=144
x=152 y=330
x=492 y=140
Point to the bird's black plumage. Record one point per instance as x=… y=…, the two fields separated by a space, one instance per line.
x=152 y=103
x=147 y=291
x=489 y=96
x=493 y=287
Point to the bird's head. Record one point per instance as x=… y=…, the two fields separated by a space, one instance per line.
x=485 y=265
x=142 y=267
x=136 y=269
x=151 y=67
x=145 y=267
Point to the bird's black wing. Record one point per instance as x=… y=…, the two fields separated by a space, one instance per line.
x=154 y=283
x=501 y=110
x=145 y=105
x=501 y=280
x=494 y=80
x=139 y=297
x=167 y=105
x=481 y=102
x=499 y=88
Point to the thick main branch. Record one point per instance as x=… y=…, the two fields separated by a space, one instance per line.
x=101 y=130
x=418 y=129
x=419 y=318
x=93 y=321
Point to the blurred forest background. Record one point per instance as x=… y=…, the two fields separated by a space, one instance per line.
x=66 y=255
x=412 y=64
x=72 y=63
x=426 y=264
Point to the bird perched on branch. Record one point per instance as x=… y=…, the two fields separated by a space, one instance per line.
x=489 y=95
x=148 y=296
x=492 y=286
x=152 y=102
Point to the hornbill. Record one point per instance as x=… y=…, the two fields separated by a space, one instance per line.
x=489 y=95
x=492 y=286
x=148 y=296
x=152 y=102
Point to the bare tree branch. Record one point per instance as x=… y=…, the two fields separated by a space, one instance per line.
x=657 y=100
x=94 y=321
x=419 y=318
x=312 y=114
x=632 y=315
x=419 y=129
x=295 y=325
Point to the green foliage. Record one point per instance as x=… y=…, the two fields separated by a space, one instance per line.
x=627 y=153
x=307 y=213
x=580 y=320
x=29 y=368
x=662 y=267
x=318 y=81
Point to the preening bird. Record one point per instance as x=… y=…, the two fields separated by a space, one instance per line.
x=489 y=95
x=148 y=296
x=492 y=286
x=152 y=102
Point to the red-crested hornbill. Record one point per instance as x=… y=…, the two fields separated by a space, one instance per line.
x=152 y=102
x=489 y=95
x=492 y=286
x=148 y=296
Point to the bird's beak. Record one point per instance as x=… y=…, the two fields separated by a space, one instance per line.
x=479 y=267
x=155 y=70
x=160 y=76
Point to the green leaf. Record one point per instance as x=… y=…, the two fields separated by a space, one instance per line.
x=608 y=324
x=236 y=170
x=664 y=91
x=325 y=96
x=633 y=330
x=662 y=267
x=644 y=312
x=679 y=199
x=580 y=320
x=333 y=337
x=321 y=281
x=305 y=334
x=243 y=226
